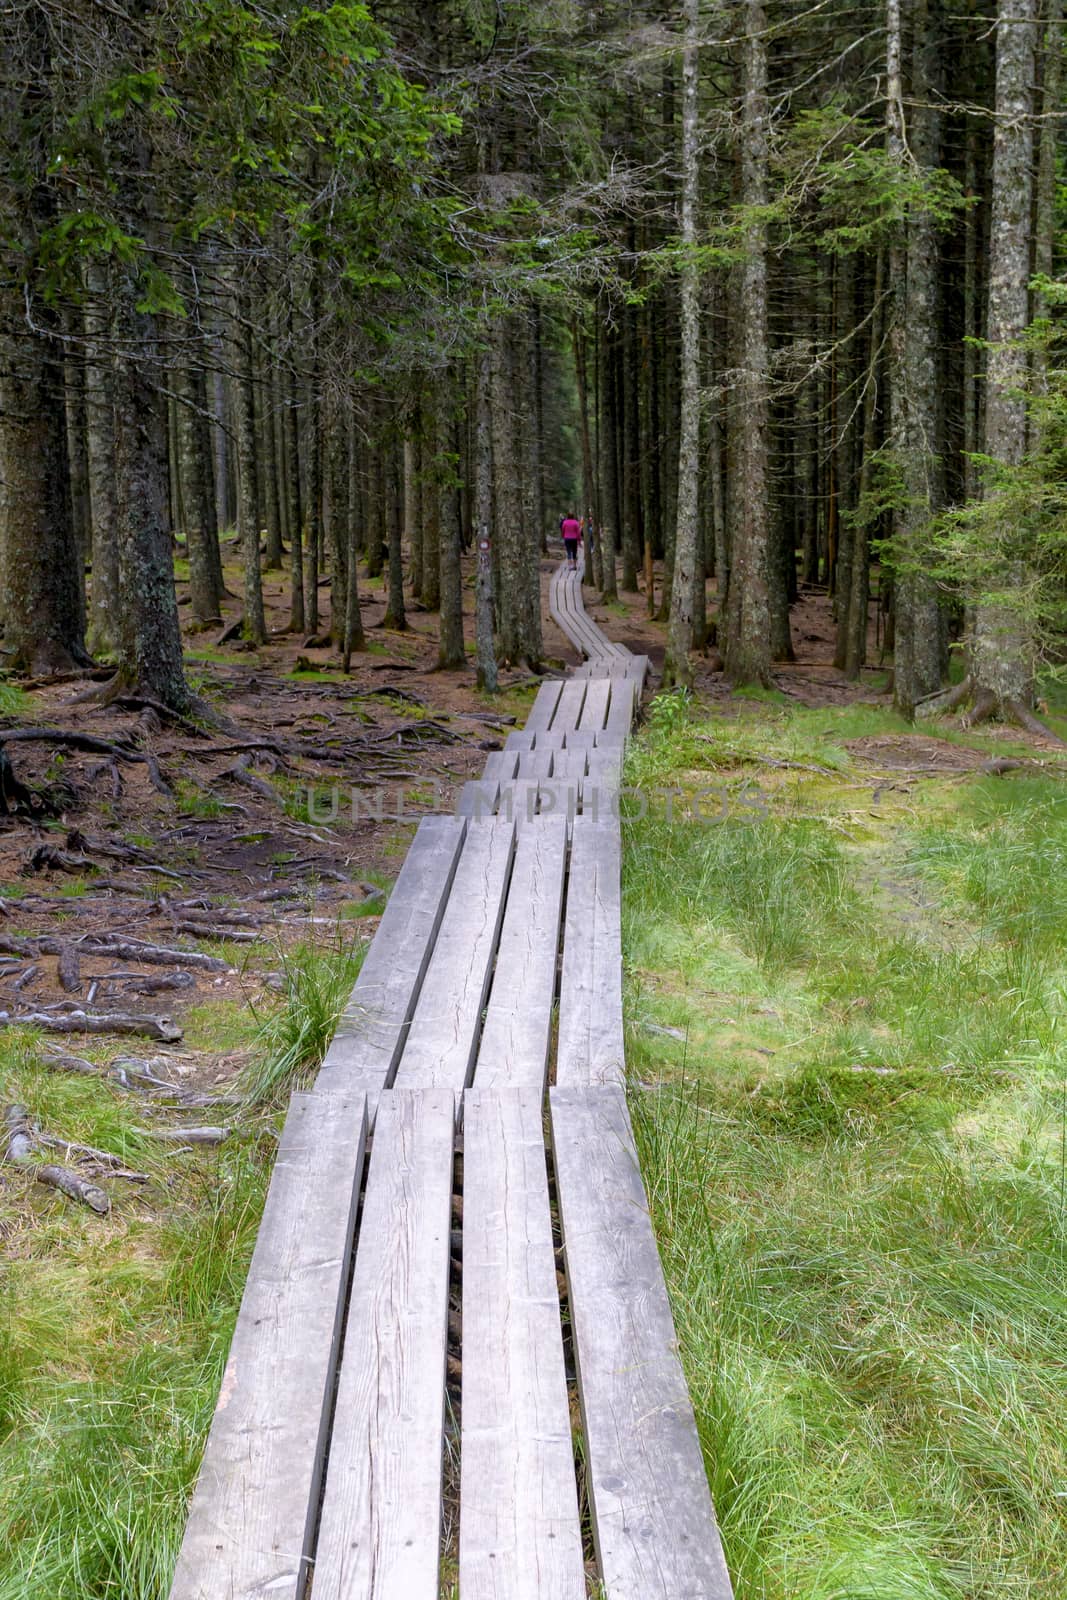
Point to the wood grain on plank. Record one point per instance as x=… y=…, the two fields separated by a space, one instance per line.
x=519 y=1532
x=590 y=1044
x=443 y=1036
x=255 y=1506
x=478 y=798
x=373 y=1026
x=653 y=1522
x=500 y=765
x=544 y=705
x=518 y=1020
x=379 y=1538
x=570 y=704
x=595 y=707
x=519 y=800
x=535 y=763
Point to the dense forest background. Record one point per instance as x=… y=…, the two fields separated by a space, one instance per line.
x=769 y=291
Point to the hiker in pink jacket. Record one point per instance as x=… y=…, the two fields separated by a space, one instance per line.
x=571 y=529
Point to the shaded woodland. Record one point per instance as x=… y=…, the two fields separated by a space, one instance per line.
x=770 y=294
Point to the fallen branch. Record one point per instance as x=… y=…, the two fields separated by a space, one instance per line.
x=68 y=970
x=186 y=1135
x=162 y=1028
x=19 y=1150
x=153 y=955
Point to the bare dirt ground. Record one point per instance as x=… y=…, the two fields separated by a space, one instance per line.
x=287 y=820
x=279 y=824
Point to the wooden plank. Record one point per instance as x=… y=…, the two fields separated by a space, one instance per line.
x=519 y=739
x=500 y=765
x=570 y=705
x=518 y=1020
x=595 y=709
x=602 y=785
x=559 y=798
x=255 y=1507
x=611 y=739
x=380 y=1534
x=519 y=1532
x=623 y=697
x=478 y=799
x=653 y=1522
x=519 y=801
x=373 y=1026
x=581 y=739
x=570 y=764
x=549 y=740
x=590 y=1046
x=544 y=705
x=443 y=1037
x=536 y=763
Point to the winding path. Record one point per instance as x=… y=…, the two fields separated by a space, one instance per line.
x=408 y=1350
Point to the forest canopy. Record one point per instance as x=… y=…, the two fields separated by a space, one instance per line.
x=772 y=293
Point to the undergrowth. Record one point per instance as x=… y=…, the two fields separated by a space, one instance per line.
x=113 y=1334
x=850 y=1101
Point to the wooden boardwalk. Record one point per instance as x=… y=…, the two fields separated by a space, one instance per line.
x=455 y=1333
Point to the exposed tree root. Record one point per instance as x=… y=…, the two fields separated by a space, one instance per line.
x=20 y=1149
x=161 y=1028
x=985 y=707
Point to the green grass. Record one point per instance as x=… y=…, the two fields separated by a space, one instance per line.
x=856 y=1155
x=113 y=1333
x=294 y=1037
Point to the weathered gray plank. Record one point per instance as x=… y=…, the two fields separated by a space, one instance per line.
x=500 y=765
x=519 y=1533
x=544 y=705
x=519 y=800
x=570 y=705
x=518 y=1020
x=549 y=740
x=621 y=711
x=478 y=798
x=590 y=1044
x=443 y=1036
x=372 y=1029
x=595 y=708
x=379 y=1537
x=570 y=764
x=581 y=739
x=255 y=1506
x=536 y=763
x=653 y=1522
x=519 y=739
x=602 y=785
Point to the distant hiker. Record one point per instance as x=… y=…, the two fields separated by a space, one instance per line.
x=571 y=529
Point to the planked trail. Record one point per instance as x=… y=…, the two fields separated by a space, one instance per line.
x=418 y=1401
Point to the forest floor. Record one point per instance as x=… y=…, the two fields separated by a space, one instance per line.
x=831 y=982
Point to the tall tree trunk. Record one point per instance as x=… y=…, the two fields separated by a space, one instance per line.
x=297 y=505
x=150 y=653
x=913 y=346
x=201 y=533
x=40 y=565
x=104 y=625
x=746 y=653
x=852 y=624
x=338 y=521
x=676 y=666
x=395 y=616
x=483 y=517
x=450 y=653
x=608 y=440
x=247 y=471
x=1002 y=652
